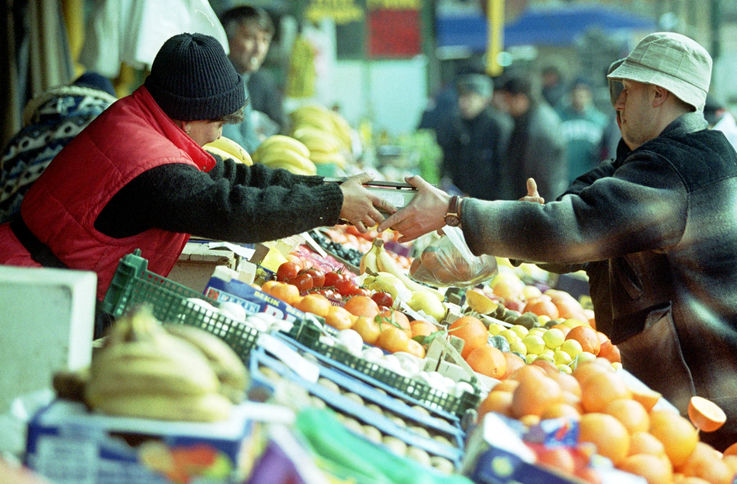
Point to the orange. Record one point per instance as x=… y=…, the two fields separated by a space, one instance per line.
x=338 y=317
x=631 y=413
x=586 y=335
x=731 y=450
x=676 y=434
x=422 y=328
x=608 y=434
x=368 y=328
x=286 y=292
x=731 y=461
x=568 y=307
x=362 y=306
x=655 y=469
x=705 y=462
x=568 y=383
x=534 y=393
x=584 y=370
x=601 y=388
x=645 y=443
x=514 y=362
x=507 y=385
x=498 y=401
x=561 y=410
x=471 y=330
x=393 y=339
x=395 y=318
x=610 y=352
x=316 y=304
x=565 y=329
x=646 y=397
x=542 y=306
x=488 y=361
x=268 y=286
x=706 y=415
x=415 y=348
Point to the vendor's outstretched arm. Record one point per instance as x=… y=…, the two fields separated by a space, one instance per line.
x=425 y=213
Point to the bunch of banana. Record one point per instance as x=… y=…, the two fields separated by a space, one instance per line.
x=281 y=151
x=227 y=148
x=325 y=132
x=144 y=370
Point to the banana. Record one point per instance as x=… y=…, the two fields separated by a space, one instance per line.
x=335 y=157
x=318 y=140
x=283 y=141
x=292 y=168
x=235 y=150
x=342 y=129
x=229 y=368
x=386 y=282
x=368 y=262
x=209 y=407
x=217 y=151
x=283 y=158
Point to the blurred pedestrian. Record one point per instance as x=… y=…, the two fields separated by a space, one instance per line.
x=718 y=116
x=475 y=145
x=582 y=126
x=536 y=147
x=553 y=86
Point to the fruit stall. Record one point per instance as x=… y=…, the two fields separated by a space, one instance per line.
x=340 y=356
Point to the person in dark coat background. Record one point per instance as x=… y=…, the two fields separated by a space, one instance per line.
x=475 y=142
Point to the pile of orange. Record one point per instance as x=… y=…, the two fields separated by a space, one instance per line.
x=658 y=444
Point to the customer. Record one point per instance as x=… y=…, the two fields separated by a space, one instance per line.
x=477 y=139
x=536 y=146
x=655 y=230
x=582 y=127
x=249 y=30
x=718 y=116
x=137 y=177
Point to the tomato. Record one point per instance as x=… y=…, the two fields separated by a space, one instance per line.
x=303 y=282
x=383 y=299
x=318 y=277
x=332 y=279
x=287 y=271
x=347 y=287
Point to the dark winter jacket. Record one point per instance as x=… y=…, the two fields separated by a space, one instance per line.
x=656 y=231
x=473 y=151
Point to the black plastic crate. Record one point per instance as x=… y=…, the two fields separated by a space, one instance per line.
x=171 y=302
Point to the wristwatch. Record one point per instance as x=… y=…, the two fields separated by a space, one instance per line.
x=453 y=215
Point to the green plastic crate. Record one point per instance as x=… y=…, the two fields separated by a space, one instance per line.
x=133 y=285
x=309 y=336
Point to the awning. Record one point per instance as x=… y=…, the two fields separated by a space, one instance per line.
x=540 y=26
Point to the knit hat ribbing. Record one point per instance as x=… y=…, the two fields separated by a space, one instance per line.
x=192 y=79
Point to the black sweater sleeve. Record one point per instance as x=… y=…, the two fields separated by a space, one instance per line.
x=232 y=202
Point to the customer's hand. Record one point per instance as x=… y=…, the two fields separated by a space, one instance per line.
x=425 y=213
x=360 y=205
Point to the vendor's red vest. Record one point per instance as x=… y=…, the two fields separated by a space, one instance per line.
x=130 y=137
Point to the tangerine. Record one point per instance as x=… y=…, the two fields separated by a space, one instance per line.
x=488 y=361
x=601 y=388
x=676 y=434
x=415 y=348
x=645 y=443
x=362 y=306
x=393 y=339
x=560 y=410
x=286 y=292
x=422 y=328
x=646 y=397
x=535 y=392
x=498 y=401
x=395 y=318
x=338 y=317
x=706 y=415
x=368 y=328
x=608 y=434
x=587 y=336
x=514 y=362
x=542 y=306
x=471 y=330
x=631 y=413
x=316 y=304
x=706 y=463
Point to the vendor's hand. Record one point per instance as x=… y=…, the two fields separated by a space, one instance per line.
x=532 y=193
x=359 y=205
x=425 y=213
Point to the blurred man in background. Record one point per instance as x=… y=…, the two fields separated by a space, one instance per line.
x=719 y=117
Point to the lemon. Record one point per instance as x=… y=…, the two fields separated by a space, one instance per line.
x=537 y=330
x=530 y=357
x=534 y=344
x=520 y=330
x=573 y=322
x=562 y=358
x=572 y=347
x=509 y=335
x=585 y=356
x=565 y=369
x=496 y=328
x=543 y=318
x=553 y=338
x=547 y=355
x=518 y=346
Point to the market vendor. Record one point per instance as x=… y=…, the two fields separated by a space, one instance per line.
x=137 y=177
x=655 y=229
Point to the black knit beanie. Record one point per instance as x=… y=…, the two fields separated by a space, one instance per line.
x=192 y=79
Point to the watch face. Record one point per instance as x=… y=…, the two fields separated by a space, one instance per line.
x=452 y=220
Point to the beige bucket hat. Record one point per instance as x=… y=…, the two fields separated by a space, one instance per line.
x=672 y=61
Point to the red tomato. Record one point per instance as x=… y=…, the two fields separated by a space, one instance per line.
x=303 y=282
x=332 y=279
x=383 y=299
x=318 y=277
x=347 y=287
x=287 y=271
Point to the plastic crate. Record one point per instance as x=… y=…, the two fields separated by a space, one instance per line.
x=133 y=285
x=309 y=336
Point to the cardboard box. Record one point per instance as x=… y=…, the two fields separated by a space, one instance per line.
x=197 y=262
x=68 y=444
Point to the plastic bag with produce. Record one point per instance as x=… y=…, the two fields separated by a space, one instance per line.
x=449 y=262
